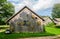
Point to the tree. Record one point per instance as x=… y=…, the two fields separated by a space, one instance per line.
x=56 y=11
x=6 y=10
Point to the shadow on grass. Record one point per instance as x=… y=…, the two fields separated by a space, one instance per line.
x=4 y=27
x=24 y=35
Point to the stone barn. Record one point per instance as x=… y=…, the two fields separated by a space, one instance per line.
x=47 y=20
x=57 y=21
x=26 y=21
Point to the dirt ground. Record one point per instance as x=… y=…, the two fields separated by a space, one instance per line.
x=47 y=37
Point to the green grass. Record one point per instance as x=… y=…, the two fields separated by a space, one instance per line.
x=50 y=31
x=51 y=24
x=53 y=30
x=23 y=35
x=4 y=25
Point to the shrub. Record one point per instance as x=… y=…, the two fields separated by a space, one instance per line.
x=51 y=24
x=57 y=26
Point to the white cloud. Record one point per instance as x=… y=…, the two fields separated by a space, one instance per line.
x=21 y=5
x=18 y=7
x=43 y=4
x=14 y=0
x=57 y=1
x=35 y=5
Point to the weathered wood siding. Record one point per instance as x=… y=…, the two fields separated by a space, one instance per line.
x=18 y=22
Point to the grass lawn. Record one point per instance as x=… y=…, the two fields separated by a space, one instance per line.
x=53 y=30
x=3 y=27
x=23 y=35
x=50 y=31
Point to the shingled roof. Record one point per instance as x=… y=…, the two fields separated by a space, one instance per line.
x=20 y=11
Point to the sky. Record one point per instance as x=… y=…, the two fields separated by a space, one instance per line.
x=41 y=7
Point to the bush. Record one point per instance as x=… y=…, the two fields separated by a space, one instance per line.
x=57 y=26
x=2 y=22
x=51 y=24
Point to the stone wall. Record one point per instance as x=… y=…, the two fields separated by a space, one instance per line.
x=26 y=21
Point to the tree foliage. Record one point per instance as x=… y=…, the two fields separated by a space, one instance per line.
x=56 y=11
x=6 y=10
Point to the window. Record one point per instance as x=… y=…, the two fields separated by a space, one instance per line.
x=35 y=17
x=26 y=23
x=27 y=15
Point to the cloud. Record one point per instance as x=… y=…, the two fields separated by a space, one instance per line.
x=43 y=4
x=15 y=1
x=21 y=5
x=35 y=5
x=18 y=7
x=57 y=1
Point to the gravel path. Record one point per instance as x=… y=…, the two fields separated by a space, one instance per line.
x=47 y=37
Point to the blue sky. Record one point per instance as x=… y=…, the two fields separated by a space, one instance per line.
x=41 y=7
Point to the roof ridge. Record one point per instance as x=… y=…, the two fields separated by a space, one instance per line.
x=20 y=11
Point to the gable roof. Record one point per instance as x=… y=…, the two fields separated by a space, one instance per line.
x=49 y=18
x=57 y=19
x=46 y=17
x=20 y=11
